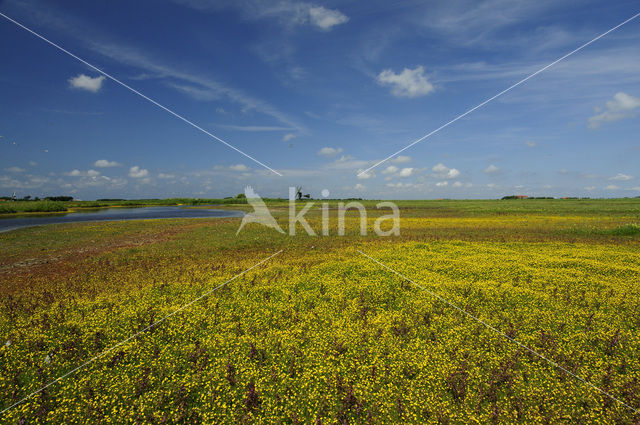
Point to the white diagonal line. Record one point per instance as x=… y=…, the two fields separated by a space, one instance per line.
x=500 y=94
x=532 y=351
x=139 y=94
x=135 y=335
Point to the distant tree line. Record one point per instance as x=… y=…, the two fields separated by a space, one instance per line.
x=59 y=198
x=527 y=197
x=539 y=197
x=29 y=198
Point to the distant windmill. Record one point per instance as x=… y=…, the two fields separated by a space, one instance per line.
x=299 y=194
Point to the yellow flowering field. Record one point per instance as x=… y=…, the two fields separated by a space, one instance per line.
x=320 y=333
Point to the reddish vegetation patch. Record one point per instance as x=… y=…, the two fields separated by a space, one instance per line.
x=55 y=265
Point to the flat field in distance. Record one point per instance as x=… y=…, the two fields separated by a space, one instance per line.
x=320 y=333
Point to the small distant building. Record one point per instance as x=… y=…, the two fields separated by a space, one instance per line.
x=521 y=196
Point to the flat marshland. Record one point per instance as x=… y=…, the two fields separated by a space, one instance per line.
x=320 y=333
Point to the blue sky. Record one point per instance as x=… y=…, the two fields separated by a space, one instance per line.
x=319 y=91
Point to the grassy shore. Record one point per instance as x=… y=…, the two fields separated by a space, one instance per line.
x=446 y=207
x=19 y=207
x=320 y=333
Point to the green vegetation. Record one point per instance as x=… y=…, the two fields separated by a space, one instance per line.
x=321 y=334
x=630 y=229
x=444 y=207
x=14 y=207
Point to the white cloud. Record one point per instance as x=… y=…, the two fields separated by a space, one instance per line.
x=238 y=167
x=457 y=184
x=33 y=163
x=530 y=143
x=326 y=19
x=365 y=176
x=406 y=172
x=166 y=176
x=359 y=186
x=401 y=159
x=442 y=184
x=78 y=173
x=288 y=137
x=401 y=185
x=408 y=83
x=344 y=163
x=621 y=106
x=390 y=169
x=329 y=152
x=492 y=169
x=590 y=188
x=103 y=163
x=14 y=170
x=29 y=182
x=85 y=82
x=137 y=172
x=128 y=55
x=441 y=171
x=621 y=177
x=611 y=187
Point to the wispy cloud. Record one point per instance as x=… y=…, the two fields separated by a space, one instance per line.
x=477 y=23
x=253 y=128
x=326 y=19
x=204 y=94
x=288 y=12
x=225 y=168
x=70 y=112
x=621 y=177
x=199 y=86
